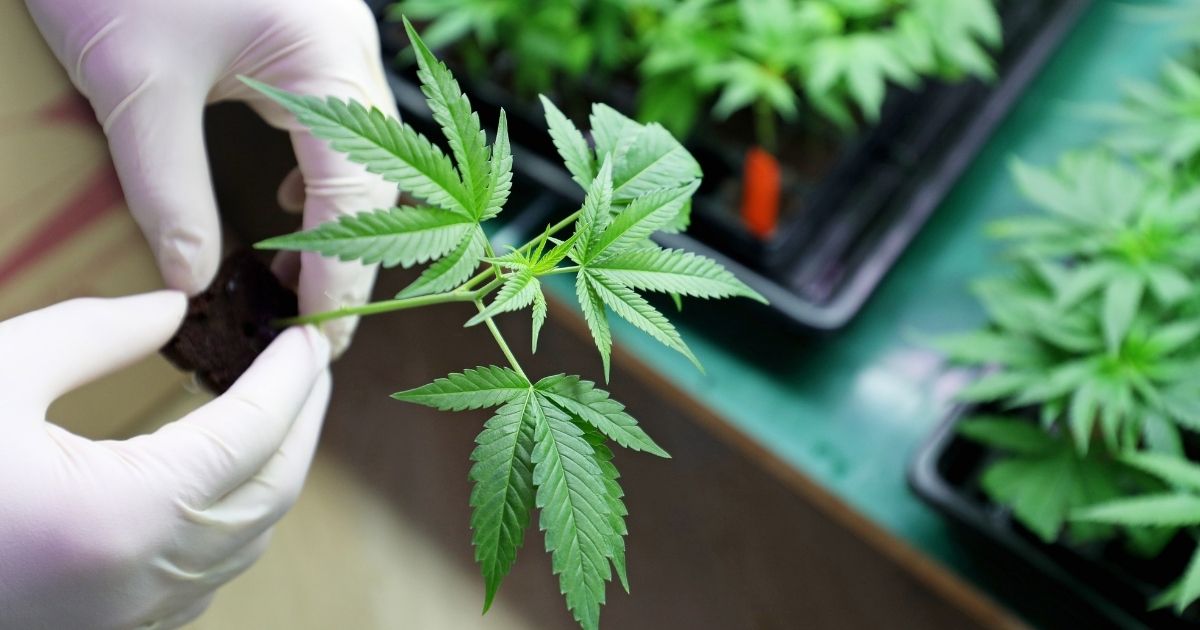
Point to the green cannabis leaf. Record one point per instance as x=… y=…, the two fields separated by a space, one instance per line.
x=1171 y=509
x=1121 y=223
x=502 y=498
x=1064 y=360
x=1100 y=324
x=545 y=446
x=550 y=43
x=672 y=271
x=1093 y=341
x=1044 y=478
x=783 y=58
x=395 y=236
x=581 y=399
x=1161 y=120
x=383 y=145
x=644 y=182
x=840 y=56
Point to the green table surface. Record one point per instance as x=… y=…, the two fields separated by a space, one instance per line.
x=849 y=410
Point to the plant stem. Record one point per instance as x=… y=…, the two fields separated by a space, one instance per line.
x=373 y=308
x=464 y=293
x=558 y=226
x=487 y=288
x=491 y=325
x=387 y=306
x=490 y=252
x=558 y=270
x=481 y=276
x=764 y=125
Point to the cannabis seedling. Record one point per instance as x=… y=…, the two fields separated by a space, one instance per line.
x=546 y=444
x=1160 y=121
x=544 y=44
x=1168 y=510
x=778 y=56
x=1098 y=330
x=836 y=55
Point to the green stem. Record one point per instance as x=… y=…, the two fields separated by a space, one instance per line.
x=558 y=270
x=764 y=125
x=491 y=326
x=464 y=293
x=489 y=287
x=387 y=306
x=481 y=276
x=490 y=252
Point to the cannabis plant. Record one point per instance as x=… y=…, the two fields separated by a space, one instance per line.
x=1098 y=331
x=1160 y=120
x=547 y=42
x=546 y=445
x=784 y=58
x=837 y=55
x=1176 y=506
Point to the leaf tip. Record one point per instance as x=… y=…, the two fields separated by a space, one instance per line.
x=407 y=25
x=756 y=296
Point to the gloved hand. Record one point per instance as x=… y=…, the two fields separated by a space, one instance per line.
x=138 y=533
x=149 y=67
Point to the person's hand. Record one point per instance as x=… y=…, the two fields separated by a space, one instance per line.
x=149 y=67
x=139 y=533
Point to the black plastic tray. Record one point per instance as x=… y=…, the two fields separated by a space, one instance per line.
x=818 y=270
x=1057 y=585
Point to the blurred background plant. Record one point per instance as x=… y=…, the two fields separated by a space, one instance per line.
x=794 y=60
x=1088 y=395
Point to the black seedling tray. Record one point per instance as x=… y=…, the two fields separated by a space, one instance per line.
x=839 y=235
x=1058 y=585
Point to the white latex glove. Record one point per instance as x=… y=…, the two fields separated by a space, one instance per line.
x=138 y=533
x=150 y=66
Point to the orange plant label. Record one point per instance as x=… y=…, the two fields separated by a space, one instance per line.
x=760 y=192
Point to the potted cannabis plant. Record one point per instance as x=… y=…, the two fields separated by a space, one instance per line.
x=829 y=129
x=546 y=446
x=1087 y=399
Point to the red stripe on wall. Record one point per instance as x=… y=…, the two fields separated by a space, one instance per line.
x=100 y=195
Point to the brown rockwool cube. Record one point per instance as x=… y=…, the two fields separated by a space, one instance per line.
x=229 y=324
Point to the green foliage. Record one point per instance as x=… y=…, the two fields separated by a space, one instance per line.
x=672 y=271
x=1170 y=509
x=1060 y=359
x=1121 y=223
x=383 y=145
x=1045 y=478
x=451 y=270
x=502 y=498
x=1100 y=322
x=543 y=43
x=644 y=182
x=545 y=446
x=838 y=56
x=393 y=236
x=832 y=58
x=1094 y=338
x=583 y=400
x=472 y=389
x=1161 y=120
